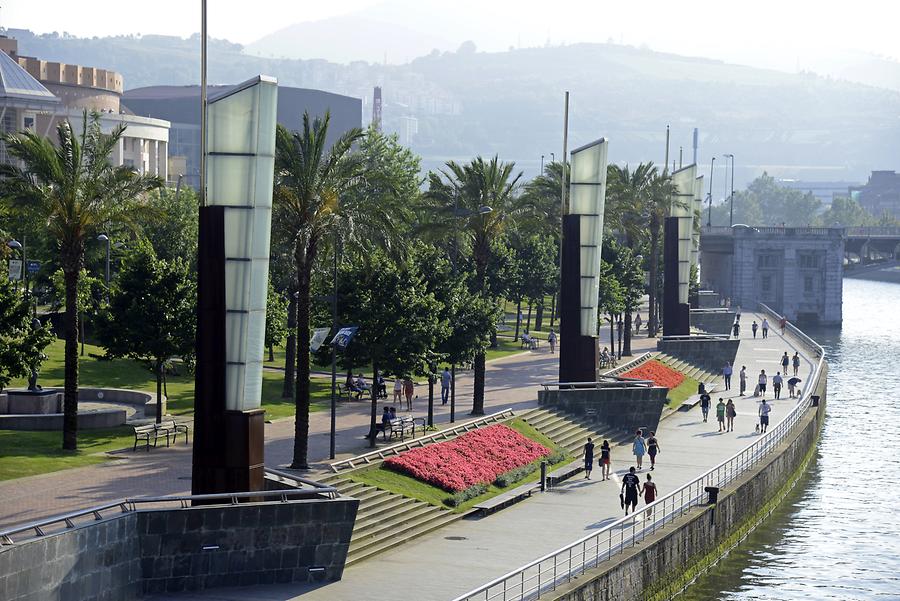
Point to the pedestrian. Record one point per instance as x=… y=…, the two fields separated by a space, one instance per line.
x=743 y=378
x=765 y=327
x=737 y=313
x=652 y=449
x=796 y=362
x=637 y=323
x=720 y=414
x=785 y=361
x=551 y=340
x=776 y=384
x=605 y=459
x=792 y=385
x=446 y=379
x=730 y=414
x=764 y=409
x=763 y=380
x=639 y=447
x=408 y=389
x=736 y=328
x=782 y=324
x=754 y=327
x=726 y=374
x=398 y=390
x=628 y=496
x=704 y=405
x=588 y=459
x=649 y=492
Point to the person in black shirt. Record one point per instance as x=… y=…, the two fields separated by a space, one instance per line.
x=604 y=459
x=630 y=485
x=588 y=459
x=704 y=405
x=652 y=449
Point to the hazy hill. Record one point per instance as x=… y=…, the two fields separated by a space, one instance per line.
x=468 y=102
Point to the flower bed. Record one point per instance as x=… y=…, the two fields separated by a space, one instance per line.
x=476 y=457
x=656 y=371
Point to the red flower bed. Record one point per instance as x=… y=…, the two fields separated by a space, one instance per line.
x=656 y=371
x=475 y=457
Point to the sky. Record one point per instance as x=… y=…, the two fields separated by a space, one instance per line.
x=783 y=34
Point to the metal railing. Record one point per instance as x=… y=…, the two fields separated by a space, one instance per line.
x=720 y=230
x=400 y=447
x=71 y=520
x=858 y=232
x=696 y=337
x=559 y=567
x=607 y=381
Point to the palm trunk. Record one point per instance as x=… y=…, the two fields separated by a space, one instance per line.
x=290 y=350
x=159 y=368
x=271 y=353
x=478 y=394
x=81 y=329
x=626 y=347
x=70 y=396
x=553 y=310
x=654 y=268
x=539 y=315
x=481 y=259
x=373 y=413
x=305 y=259
x=518 y=312
x=528 y=319
x=431 y=396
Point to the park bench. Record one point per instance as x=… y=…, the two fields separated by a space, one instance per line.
x=507 y=498
x=171 y=428
x=402 y=425
x=144 y=433
x=565 y=472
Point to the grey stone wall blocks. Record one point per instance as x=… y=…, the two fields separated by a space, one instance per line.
x=174 y=550
x=622 y=408
x=713 y=322
x=708 y=354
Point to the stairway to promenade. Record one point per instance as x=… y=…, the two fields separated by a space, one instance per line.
x=689 y=369
x=570 y=431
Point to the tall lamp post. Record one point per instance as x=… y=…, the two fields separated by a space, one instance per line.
x=334 y=328
x=712 y=165
x=105 y=238
x=731 y=201
x=457 y=215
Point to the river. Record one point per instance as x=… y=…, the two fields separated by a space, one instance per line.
x=837 y=536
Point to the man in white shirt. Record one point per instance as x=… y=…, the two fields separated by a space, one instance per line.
x=446 y=378
x=764 y=409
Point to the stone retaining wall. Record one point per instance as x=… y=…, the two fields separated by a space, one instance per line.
x=713 y=322
x=87 y=420
x=710 y=354
x=622 y=408
x=674 y=549
x=176 y=550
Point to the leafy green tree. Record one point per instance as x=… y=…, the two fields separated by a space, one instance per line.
x=846 y=212
x=78 y=192
x=173 y=225
x=21 y=343
x=91 y=295
x=486 y=190
x=629 y=274
x=611 y=300
x=152 y=313
x=276 y=320
x=767 y=203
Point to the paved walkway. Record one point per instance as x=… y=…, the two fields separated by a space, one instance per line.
x=511 y=382
x=471 y=552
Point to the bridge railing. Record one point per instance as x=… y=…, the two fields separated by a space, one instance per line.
x=721 y=230
x=546 y=573
x=867 y=232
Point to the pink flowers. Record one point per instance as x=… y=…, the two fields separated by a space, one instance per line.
x=476 y=457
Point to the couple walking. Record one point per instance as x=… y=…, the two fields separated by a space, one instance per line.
x=642 y=446
x=632 y=490
x=723 y=412
x=604 y=461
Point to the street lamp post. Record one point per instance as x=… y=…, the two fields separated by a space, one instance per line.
x=334 y=320
x=712 y=164
x=731 y=201
x=105 y=238
x=542 y=165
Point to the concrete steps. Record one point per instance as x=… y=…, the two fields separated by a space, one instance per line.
x=569 y=431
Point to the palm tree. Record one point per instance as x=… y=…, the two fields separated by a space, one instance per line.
x=477 y=198
x=310 y=180
x=79 y=193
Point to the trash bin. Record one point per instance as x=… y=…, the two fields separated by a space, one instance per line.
x=713 y=492
x=815 y=400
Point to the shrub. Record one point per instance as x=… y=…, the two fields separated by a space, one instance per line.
x=464 y=495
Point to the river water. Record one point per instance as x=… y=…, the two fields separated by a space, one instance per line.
x=837 y=536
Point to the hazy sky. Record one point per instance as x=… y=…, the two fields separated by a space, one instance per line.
x=776 y=33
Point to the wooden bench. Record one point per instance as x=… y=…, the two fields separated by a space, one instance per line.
x=171 y=427
x=565 y=472
x=400 y=426
x=507 y=498
x=144 y=433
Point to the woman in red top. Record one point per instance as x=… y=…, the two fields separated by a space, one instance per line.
x=649 y=492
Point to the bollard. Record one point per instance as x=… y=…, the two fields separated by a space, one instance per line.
x=543 y=476
x=713 y=492
x=815 y=400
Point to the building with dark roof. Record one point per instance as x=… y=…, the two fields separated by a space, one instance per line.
x=880 y=195
x=22 y=99
x=180 y=105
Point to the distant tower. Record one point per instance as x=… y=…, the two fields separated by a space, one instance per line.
x=376 y=109
x=696 y=143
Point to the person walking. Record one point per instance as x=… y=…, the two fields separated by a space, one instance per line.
x=782 y=324
x=649 y=492
x=551 y=340
x=765 y=328
x=792 y=385
x=408 y=389
x=398 y=390
x=764 y=409
x=785 y=361
x=743 y=378
x=726 y=374
x=720 y=414
x=796 y=362
x=754 y=327
x=588 y=459
x=736 y=328
x=763 y=380
x=605 y=459
x=730 y=414
x=639 y=447
x=652 y=449
x=628 y=495
x=776 y=384
x=705 y=402
x=446 y=379
x=637 y=323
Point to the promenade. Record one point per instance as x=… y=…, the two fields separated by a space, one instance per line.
x=471 y=552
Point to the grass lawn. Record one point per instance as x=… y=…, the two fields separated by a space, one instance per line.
x=30 y=453
x=408 y=486
x=681 y=392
